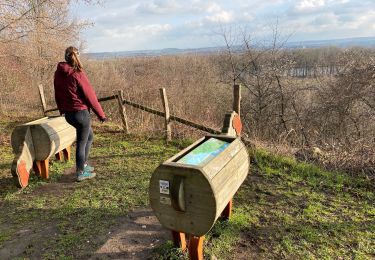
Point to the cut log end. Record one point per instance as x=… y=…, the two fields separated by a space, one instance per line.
x=22 y=175
x=237 y=124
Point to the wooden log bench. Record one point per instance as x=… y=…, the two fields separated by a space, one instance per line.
x=194 y=188
x=35 y=142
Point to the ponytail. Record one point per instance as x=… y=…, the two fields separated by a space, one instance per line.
x=71 y=57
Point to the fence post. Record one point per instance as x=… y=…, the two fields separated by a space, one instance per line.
x=120 y=98
x=164 y=100
x=42 y=99
x=237 y=99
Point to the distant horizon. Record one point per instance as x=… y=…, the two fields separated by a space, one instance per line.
x=289 y=43
x=218 y=46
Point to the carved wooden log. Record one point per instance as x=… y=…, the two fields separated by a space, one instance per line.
x=189 y=197
x=35 y=142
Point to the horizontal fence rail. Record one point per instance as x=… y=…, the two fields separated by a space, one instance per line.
x=173 y=118
x=143 y=108
x=99 y=99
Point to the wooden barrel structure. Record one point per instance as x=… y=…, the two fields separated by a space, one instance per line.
x=192 y=189
x=190 y=198
x=35 y=142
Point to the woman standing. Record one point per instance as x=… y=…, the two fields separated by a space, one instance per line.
x=74 y=98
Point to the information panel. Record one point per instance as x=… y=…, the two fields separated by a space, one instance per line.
x=204 y=152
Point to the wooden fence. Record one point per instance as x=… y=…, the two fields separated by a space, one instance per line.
x=168 y=118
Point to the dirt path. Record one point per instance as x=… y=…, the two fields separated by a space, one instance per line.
x=132 y=237
x=135 y=238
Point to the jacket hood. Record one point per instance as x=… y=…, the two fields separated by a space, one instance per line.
x=65 y=68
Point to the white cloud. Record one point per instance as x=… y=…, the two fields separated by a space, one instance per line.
x=212 y=14
x=362 y=20
x=159 y=7
x=133 y=24
x=306 y=5
x=213 y=8
x=322 y=22
x=138 y=31
x=247 y=17
x=221 y=17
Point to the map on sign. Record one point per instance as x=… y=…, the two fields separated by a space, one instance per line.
x=204 y=152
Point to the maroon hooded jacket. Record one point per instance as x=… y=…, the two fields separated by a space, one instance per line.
x=73 y=91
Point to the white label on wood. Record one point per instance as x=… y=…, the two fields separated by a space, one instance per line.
x=164 y=186
x=165 y=200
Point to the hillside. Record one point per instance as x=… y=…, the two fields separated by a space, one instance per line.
x=284 y=210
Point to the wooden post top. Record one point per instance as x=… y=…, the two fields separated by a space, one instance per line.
x=232 y=125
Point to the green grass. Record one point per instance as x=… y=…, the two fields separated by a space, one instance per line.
x=296 y=210
x=284 y=209
x=80 y=212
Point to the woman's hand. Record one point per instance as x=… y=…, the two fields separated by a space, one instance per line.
x=102 y=120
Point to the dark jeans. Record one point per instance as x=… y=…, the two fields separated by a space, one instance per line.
x=81 y=120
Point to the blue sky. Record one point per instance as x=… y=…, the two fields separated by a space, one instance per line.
x=125 y=25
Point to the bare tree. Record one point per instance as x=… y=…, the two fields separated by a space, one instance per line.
x=33 y=36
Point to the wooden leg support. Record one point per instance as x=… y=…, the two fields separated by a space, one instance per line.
x=66 y=153
x=59 y=156
x=41 y=167
x=179 y=240
x=36 y=169
x=227 y=212
x=63 y=153
x=196 y=248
